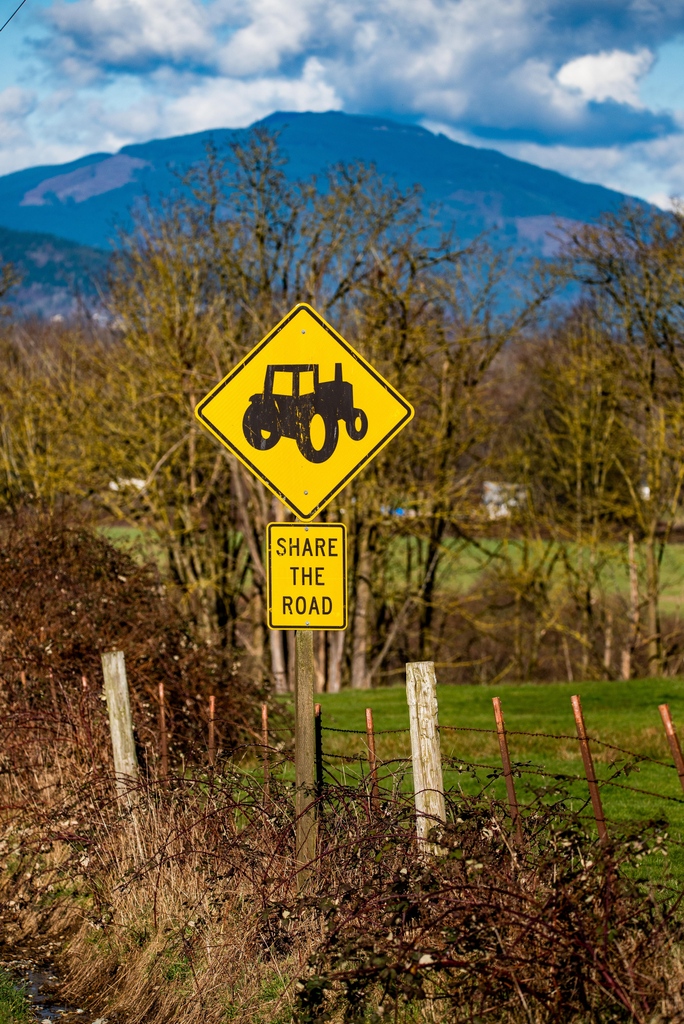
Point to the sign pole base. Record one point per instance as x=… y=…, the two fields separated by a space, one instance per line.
x=305 y=756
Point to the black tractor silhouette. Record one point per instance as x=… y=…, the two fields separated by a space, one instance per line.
x=271 y=416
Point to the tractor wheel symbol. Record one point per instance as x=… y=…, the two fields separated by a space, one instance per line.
x=316 y=428
x=259 y=427
x=312 y=419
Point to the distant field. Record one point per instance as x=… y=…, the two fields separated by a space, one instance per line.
x=622 y=713
x=464 y=564
x=143 y=545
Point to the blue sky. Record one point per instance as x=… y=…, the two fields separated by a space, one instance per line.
x=593 y=89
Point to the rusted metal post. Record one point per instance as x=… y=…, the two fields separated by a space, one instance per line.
x=212 y=731
x=372 y=760
x=508 y=774
x=264 y=747
x=673 y=740
x=318 y=736
x=163 y=738
x=589 y=770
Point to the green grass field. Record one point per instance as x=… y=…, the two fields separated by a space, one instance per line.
x=622 y=713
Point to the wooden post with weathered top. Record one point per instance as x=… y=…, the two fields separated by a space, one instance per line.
x=305 y=754
x=120 y=720
x=421 y=695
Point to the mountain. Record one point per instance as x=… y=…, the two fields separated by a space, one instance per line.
x=83 y=201
x=55 y=274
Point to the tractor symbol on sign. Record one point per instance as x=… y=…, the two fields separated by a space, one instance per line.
x=311 y=419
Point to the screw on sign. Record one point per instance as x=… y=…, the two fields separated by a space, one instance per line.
x=305 y=412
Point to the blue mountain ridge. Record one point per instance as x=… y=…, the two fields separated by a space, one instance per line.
x=473 y=189
x=55 y=274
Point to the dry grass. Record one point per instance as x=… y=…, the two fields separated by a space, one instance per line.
x=180 y=904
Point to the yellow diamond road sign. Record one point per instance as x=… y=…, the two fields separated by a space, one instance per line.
x=304 y=412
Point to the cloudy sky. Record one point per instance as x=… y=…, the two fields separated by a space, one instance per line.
x=593 y=88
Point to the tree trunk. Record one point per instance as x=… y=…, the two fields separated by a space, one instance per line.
x=517 y=637
x=608 y=644
x=291 y=638
x=427 y=607
x=652 y=606
x=360 y=679
x=278 y=666
x=633 y=595
x=319 y=660
x=258 y=627
x=335 y=653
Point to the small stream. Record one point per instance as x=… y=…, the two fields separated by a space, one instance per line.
x=34 y=971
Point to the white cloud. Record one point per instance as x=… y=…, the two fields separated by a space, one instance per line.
x=73 y=123
x=491 y=64
x=610 y=75
x=15 y=105
x=215 y=102
x=274 y=32
x=123 y=33
x=652 y=170
x=119 y=71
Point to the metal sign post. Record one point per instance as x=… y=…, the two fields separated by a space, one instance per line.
x=305 y=412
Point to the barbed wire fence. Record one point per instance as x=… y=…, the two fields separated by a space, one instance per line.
x=383 y=778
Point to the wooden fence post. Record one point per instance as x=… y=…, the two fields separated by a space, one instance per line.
x=421 y=695
x=673 y=740
x=265 y=758
x=305 y=745
x=163 y=738
x=589 y=770
x=211 y=745
x=372 y=761
x=120 y=720
x=508 y=774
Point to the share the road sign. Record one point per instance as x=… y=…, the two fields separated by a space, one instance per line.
x=304 y=412
x=306 y=576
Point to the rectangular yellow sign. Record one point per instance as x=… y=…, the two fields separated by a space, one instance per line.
x=307 y=576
